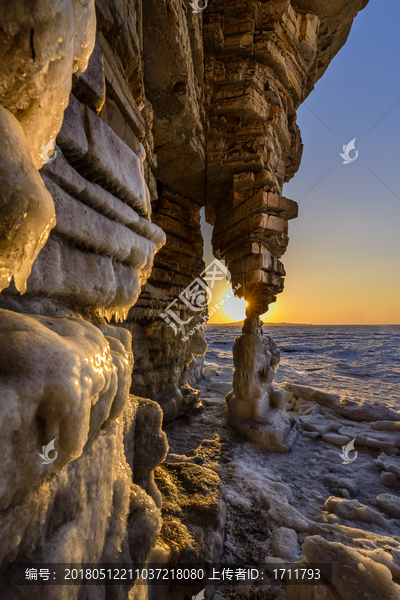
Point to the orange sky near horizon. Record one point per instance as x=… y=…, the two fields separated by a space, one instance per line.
x=343 y=259
x=363 y=293
x=312 y=309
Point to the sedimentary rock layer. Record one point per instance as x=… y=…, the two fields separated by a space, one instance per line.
x=164 y=360
x=173 y=75
x=163 y=111
x=261 y=62
x=77 y=480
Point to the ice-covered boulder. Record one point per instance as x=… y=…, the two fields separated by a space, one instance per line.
x=390 y=480
x=255 y=405
x=388 y=463
x=282 y=513
x=390 y=466
x=335 y=438
x=348 y=484
x=344 y=406
x=315 y=423
x=390 y=504
x=386 y=426
x=353 y=575
x=284 y=543
x=366 y=436
x=354 y=510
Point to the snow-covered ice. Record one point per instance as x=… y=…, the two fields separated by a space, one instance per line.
x=309 y=503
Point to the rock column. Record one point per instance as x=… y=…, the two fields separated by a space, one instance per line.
x=259 y=60
x=255 y=405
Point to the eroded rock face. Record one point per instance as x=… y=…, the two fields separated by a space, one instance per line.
x=173 y=72
x=166 y=346
x=258 y=59
x=237 y=113
x=261 y=61
x=65 y=379
x=42 y=44
x=74 y=390
x=127 y=178
x=145 y=443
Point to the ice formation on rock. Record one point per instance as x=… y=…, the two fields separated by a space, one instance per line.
x=26 y=209
x=354 y=574
x=152 y=112
x=255 y=405
x=41 y=49
x=65 y=379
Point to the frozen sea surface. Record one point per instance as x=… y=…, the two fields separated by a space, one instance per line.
x=267 y=491
x=359 y=361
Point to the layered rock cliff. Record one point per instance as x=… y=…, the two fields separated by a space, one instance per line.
x=120 y=121
x=66 y=373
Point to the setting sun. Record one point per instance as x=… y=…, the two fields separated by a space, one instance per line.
x=232 y=310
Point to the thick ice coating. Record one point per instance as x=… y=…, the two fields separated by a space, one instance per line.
x=36 y=68
x=26 y=207
x=59 y=380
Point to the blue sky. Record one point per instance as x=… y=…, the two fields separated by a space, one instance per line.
x=343 y=260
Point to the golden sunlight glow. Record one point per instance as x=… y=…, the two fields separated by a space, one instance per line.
x=234 y=309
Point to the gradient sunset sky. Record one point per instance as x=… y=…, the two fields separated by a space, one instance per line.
x=343 y=260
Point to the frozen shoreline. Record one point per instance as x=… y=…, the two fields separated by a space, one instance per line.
x=277 y=504
x=360 y=361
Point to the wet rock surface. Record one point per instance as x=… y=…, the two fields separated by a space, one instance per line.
x=138 y=115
